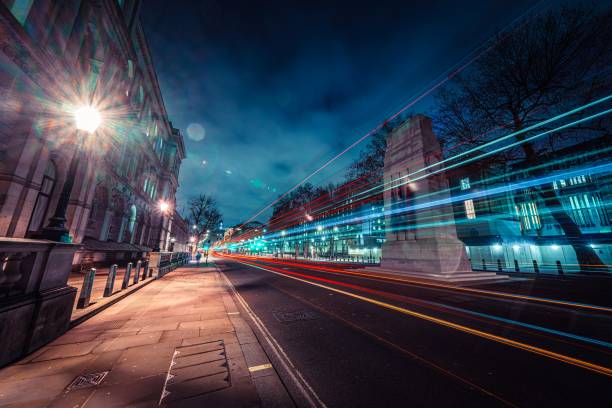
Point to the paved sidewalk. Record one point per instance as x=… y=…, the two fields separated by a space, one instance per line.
x=98 y=301
x=178 y=342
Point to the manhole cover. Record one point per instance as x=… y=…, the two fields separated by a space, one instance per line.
x=294 y=316
x=87 y=380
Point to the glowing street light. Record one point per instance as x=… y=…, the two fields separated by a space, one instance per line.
x=87 y=119
x=164 y=208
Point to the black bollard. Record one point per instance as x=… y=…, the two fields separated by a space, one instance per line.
x=126 y=277
x=516 y=266
x=559 y=268
x=484 y=265
x=137 y=273
x=499 y=266
x=110 y=281
x=145 y=267
x=536 y=268
x=85 y=294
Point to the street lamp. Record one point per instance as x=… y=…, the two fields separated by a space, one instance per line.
x=87 y=120
x=164 y=208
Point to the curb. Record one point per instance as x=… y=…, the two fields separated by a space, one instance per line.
x=295 y=385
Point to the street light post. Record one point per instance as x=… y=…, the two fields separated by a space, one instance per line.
x=87 y=121
x=164 y=207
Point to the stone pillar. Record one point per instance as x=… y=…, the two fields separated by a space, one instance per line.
x=421 y=238
x=108 y=215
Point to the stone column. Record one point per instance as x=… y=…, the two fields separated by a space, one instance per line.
x=421 y=237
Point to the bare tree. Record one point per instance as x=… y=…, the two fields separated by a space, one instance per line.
x=203 y=215
x=548 y=65
x=370 y=164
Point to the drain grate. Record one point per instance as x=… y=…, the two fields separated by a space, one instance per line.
x=87 y=380
x=294 y=316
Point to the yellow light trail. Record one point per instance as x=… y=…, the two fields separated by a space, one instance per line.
x=499 y=339
x=420 y=282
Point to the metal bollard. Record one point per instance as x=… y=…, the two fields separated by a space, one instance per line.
x=516 y=266
x=559 y=268
x=536 y=268
x=126 y=277
x=110 y=281
x=484 y=265
x=145 y=267
x=499 y=266
x=137 y=273
x=85 y=294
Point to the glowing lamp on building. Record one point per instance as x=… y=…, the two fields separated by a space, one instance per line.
x=87 y=118
x=163 y=206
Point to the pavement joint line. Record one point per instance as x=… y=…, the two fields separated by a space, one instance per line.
x=536 y=350
x=439 y=285
x=298 y=380
x=260 y=367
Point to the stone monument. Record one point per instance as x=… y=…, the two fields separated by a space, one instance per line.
x=421 y=238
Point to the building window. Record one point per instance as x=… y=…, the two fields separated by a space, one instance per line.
x=529 y=215
x=587 y=210
x=42 y=201
x=470 y=213
x=19 y=8
x=465 y=183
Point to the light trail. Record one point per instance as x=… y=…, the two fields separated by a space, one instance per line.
x=466 y=313
x=425 y=283
x=442 y=322
x=475 y=184
x=599 y=169
x=486 y=154
x=477 y=52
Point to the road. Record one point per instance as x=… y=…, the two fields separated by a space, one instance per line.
x=360 y=341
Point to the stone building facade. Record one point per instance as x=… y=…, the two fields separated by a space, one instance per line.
x=56 y=56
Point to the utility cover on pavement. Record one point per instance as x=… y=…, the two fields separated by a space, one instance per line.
x=87 y=380
x=294 y=316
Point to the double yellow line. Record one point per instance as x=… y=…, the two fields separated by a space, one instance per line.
x=537 y=350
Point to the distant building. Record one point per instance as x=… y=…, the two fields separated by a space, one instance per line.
x=503 y=225
x=515 y=230
x=55 y=57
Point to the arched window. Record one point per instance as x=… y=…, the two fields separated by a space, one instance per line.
x=42 y=201
x=132 y=223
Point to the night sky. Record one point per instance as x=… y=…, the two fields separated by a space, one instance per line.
x=266 y=92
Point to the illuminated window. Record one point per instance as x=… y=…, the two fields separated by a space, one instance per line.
x=529 y=215
x=465 y=183
x=470 y=213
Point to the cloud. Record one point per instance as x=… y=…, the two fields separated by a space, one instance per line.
x=281 y=89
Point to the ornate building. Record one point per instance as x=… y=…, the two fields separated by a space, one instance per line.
x=55 y=57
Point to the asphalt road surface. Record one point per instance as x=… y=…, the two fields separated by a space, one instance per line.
x=360 y=341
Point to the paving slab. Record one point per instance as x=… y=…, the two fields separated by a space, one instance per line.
x=178 y=341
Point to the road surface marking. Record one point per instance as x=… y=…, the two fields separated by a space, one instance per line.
x=435 y=285
x=308 y=393
x=513 y=343
x=260 y=367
